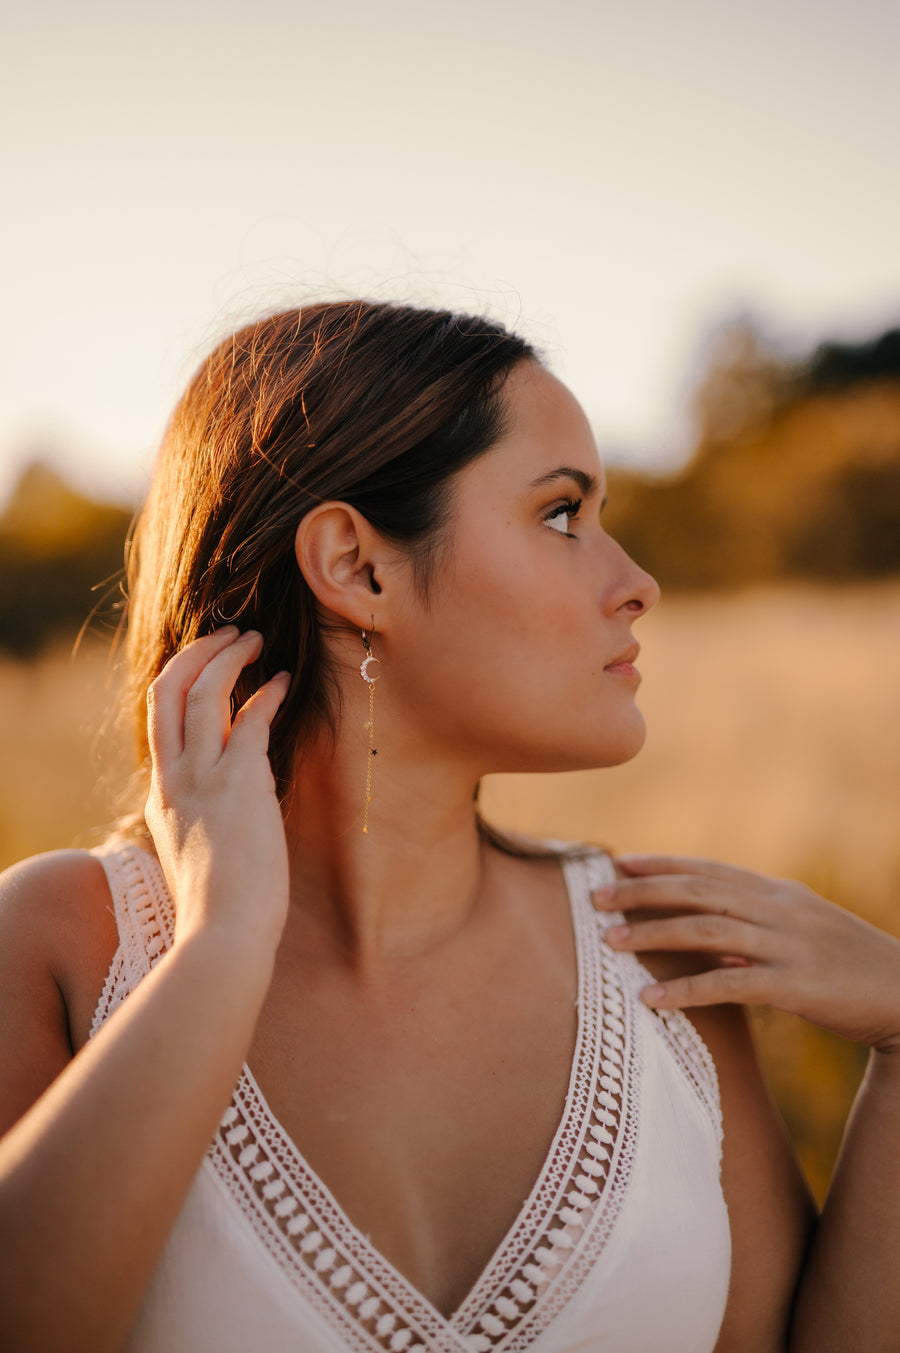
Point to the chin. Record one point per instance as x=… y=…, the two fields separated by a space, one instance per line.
x=617 y=748
x=599 y=752
x=569 y=749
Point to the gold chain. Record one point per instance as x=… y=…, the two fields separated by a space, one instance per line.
x=370 y=726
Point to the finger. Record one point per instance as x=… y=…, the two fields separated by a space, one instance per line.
x=686 y=864
x=704 y=933
x=681 y=892
x=720 y=986
x=250 y=731
x=167 y=694
x=670 y=892
x=207 y=708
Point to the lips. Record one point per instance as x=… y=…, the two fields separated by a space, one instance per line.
x=625 y=659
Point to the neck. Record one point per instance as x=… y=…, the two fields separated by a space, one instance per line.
x=412 y=880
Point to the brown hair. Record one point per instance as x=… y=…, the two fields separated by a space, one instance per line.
x=374 y=405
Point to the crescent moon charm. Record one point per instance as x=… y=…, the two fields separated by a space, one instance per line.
x=363 y=668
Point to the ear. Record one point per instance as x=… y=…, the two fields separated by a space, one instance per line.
x=344 y=560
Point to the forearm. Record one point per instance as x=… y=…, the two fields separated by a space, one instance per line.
x=849 y=1297
x=94 y=1175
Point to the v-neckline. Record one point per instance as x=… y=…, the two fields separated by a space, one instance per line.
x=576 y=1195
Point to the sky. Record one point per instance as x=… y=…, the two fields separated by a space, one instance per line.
x=615 y=180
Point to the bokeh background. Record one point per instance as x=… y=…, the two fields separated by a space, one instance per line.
x=692 y=209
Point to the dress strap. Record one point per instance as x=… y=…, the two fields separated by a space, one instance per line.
x=679 y=1035
x=145 y=919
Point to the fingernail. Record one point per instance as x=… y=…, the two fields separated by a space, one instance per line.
x=250 y=634
x=618 y=932
x=650 y=995
x=605 y=892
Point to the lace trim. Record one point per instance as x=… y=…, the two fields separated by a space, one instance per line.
x=556 y=1239
x=592 y=1187
x=564 y=1224
x=115 y=989
x=145 y=917
x=687 y=1048
x=301 y=1226
x=568 y=1219
x=693 y=1057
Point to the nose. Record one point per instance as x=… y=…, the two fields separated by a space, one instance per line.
x=636 y=591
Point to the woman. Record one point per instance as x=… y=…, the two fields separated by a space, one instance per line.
x=371 y=570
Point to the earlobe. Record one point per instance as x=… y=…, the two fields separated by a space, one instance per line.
x=337 y=552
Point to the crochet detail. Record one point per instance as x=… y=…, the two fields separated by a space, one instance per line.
x=145 y=917
x=693 y=1056
x=563 y=1225
x=115 y=989
x=688 y=1049
x=556 y=1239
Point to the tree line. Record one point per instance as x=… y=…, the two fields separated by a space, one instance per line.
x=795 y=474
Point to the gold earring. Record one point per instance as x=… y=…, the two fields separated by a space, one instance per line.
x=370 y=724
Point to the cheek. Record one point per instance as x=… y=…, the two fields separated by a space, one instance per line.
x=505 y=663
x=518 y=597
x=515 y=687
x=509 y=639
x=528 y=643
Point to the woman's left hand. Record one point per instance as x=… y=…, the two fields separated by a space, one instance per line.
x=774 y=941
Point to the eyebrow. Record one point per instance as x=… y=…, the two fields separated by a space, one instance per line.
x=587 y=483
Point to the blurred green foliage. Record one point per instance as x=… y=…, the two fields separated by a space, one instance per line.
x=61 y=559
x=795 y=475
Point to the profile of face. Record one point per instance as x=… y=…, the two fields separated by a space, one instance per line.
x=521 y=657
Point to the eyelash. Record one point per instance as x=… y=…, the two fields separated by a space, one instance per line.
x=570 y=508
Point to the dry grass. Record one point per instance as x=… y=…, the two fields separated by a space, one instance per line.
x=59 y=773
x=774 y=742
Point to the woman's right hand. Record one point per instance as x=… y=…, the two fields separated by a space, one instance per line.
x=79 y=1221
x=212 y=810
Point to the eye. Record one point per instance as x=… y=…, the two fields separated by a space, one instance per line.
x=560 y=517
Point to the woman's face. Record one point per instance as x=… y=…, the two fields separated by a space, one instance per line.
x=521 y=660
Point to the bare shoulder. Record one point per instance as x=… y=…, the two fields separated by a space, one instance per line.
x=55 y=905
x=57 y=939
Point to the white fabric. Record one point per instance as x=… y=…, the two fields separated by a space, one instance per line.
x=622 y=1246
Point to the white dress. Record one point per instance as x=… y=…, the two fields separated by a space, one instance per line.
x=622 y=1246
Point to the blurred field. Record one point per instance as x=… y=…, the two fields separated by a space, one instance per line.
x=774 y=741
